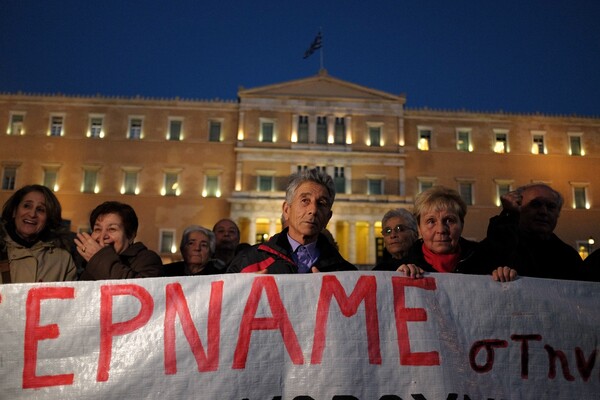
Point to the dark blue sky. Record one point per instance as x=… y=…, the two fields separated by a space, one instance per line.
x=514 y=55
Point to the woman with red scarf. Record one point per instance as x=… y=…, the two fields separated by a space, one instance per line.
x=440 y=214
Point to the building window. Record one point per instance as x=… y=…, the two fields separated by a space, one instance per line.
x=538 y=146
x=339 y=134
x=575 y=147
x=303 y=129
x=500 y=141
x=339 y=180
x=321 y=130
x=425 y=183
x=135 y=128
x=424 y=139
x=16 y=124
x=466 y=192
x=301 y=168
x=9 y=176
x=171 y=184
x=211 y=186
x=267 y=131
x=96 y=128
x=374 y=135
x=56 y=125
x=130 y=182
x=167 y=241
x=265 y=183
x=51 y=178
x=374 y=186
x=580 y=197
x=463 y=140
x=214 y=131
x=90 y=181
x=502 y=188
x=175 y=130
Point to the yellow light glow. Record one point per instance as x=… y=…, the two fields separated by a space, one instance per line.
x=535 y=149
x=97 y=189
x=499 y=148
x=173 y=249
x=294 y=137
x=56 y=187
x=240 y=135
x=423 y=144
x=163 y=192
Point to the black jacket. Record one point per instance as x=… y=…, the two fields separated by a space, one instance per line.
x=415 y=256
x=507 y=245
x=276 y=257
x=177 y=268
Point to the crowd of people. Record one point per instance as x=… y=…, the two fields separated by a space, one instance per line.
x=520 y=241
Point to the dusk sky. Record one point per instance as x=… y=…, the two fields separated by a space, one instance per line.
x=522 y=56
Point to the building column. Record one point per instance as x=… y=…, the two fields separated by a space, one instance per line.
x=312 y=129
x=348 y=178
x=352 y=242
x=402 y=179
x=372 y=251
x=252 y=229
x=272 y=227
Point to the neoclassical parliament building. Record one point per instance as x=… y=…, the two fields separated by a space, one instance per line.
x=181 y=161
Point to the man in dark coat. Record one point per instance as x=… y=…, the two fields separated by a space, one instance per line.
x=522 y=236
x=301 y=247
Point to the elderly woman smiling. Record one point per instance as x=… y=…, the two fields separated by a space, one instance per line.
x=110 y=250
x=440 y=214
x=33 y=242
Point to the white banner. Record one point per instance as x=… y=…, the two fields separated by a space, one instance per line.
x=351 y=335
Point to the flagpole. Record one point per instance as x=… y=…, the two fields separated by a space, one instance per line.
x=321 y=48
x=321 y=56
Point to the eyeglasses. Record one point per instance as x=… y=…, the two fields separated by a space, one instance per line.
x=397 y=229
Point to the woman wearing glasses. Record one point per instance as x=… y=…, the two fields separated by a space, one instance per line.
x=399 y=230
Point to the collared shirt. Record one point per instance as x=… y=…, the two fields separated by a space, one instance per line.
x=313 y=253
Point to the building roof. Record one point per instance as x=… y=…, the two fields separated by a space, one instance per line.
x=320 y=87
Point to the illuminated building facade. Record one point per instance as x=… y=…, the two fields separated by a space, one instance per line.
x=180 y=162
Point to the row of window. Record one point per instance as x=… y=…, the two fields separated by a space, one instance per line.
x=265 y=182
x=580 y=198
x=500 y=144
x=96 y=127
x=320 y=130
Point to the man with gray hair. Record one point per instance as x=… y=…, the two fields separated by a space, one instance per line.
x=197 y=248
x=300 y=247
x=522 y=237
